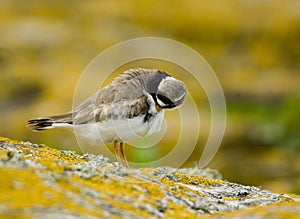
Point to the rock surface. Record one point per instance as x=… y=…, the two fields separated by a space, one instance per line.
x=41 y=182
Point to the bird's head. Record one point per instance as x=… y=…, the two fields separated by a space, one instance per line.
x=171 y=93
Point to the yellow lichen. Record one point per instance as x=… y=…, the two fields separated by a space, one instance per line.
x=112 y=189
x=6 y=155
x=178 y=211
x=22 y=189
x=54 y=186
x=230 y=198
x=191 y=179
x=50 y=158
x=10 y=141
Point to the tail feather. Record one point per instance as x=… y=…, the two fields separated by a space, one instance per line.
x=49 y=122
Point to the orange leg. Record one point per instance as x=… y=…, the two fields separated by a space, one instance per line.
x=116 y=151
x=123 y=157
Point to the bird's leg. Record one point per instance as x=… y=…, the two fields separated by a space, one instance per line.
x=123 y=157
x=116 y=151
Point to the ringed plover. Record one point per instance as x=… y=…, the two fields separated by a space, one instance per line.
x=131 y=106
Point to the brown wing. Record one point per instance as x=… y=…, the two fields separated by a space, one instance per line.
x=122 y=109
x=124 y=98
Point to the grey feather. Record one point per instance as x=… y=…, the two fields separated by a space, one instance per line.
x=111 y=102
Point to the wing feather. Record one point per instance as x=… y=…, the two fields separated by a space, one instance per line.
x=114 y=111
x=124 y=98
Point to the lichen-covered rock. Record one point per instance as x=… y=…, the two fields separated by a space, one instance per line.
x=40 y=182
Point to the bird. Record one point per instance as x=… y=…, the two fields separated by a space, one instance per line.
x=130 y=107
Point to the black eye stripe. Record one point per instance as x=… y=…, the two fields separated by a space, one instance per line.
x=165 y=100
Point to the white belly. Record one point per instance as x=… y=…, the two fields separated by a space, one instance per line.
x=120 y=130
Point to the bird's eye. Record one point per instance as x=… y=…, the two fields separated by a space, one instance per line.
x=164 y=102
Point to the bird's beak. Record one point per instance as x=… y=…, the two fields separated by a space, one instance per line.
x=158 y=108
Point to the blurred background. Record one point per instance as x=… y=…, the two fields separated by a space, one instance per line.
x=253 y=46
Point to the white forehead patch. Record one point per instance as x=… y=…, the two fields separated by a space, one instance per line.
x=179 y=98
